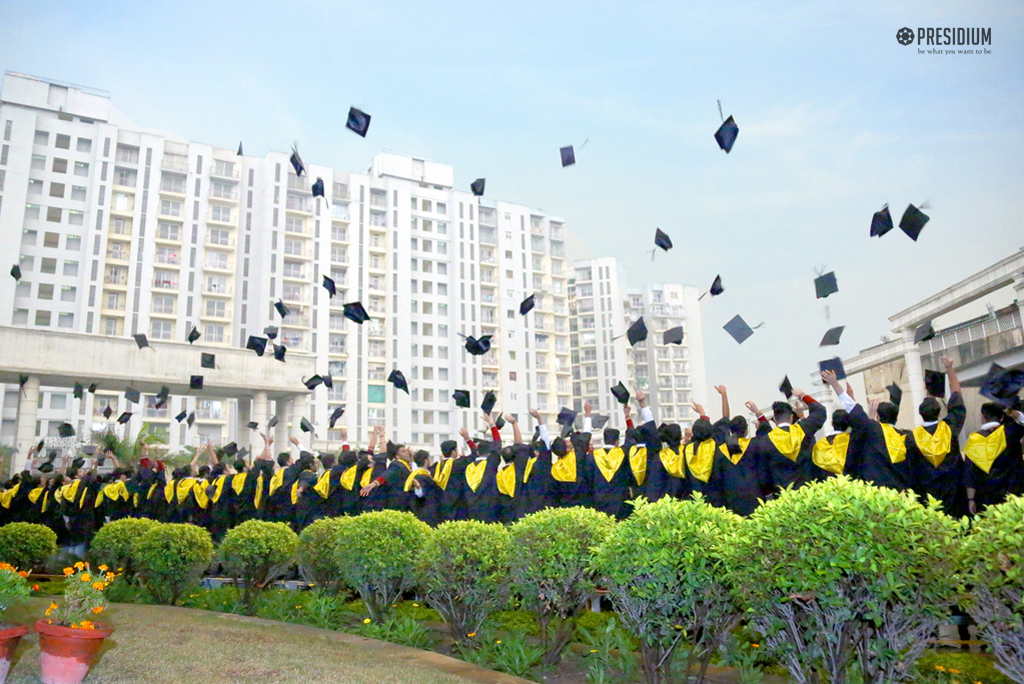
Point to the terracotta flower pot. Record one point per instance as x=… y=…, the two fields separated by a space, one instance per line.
x=65 y=653
x=9 y=639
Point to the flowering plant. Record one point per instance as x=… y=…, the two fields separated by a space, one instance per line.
x=84 y=599
x=13 y=586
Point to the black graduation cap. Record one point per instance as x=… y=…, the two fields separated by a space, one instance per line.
x=93 y=387
x=895 y=394
x=279 y=352
x=207 y=360
x=620 y=393
x=568 y=156
x=398 y=380
x=312 y=382
x=786 y=387
x=358 y=121
x=825 y=284
x=318 y=188
x=272 y=422
x=924 y=333
x=271 y=332
x=124 y=417
x=193 y=335
x=131 y=395
x=716 y=286
x=637 y=332
x=355 y=312
x=831 y=337
x=526 y=305
x=1001 y=385
x=726 y=134
x=107 y=411
x=191 y=419
x=935 y=383
x=230 y=448
x=673 y=335
x=835 y=365
x=478 y=347
x=281 y=308
x=16 y=269
x=257 y=344
x=65 y=430
x=253 y=425
x=881 y=222
x=913 y=222
x=195 y=382
x=296 y=161
x=335 y=415
x=162 y=396
x=499 y=422
x=461 y=398
x=566 y=416
x=141 y=340
x=489 y=401
x=477 y=187
x=305 y=425
x=22 y=379
x=77 y=392
x=598 y=422
x=739 y=329
x=181 y=416
x=328 y=381
x=329 y=286
x=46 y=467
x=239 y=154
x=661 y=239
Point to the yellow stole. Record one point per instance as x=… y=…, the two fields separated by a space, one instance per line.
x=169 y=491
x=564 y=470
x=348 y=478
x=983 y=450
x=699 y=459
x=365 y=479
x=34 y=495
x=788 y=442
x=199 y=492
x=410 y=482
x=9 y=495
x=112 y=491
x=475 y=473
x=608 y=461
x=673 y=461
x=507 y=479
x=184 y=488
x=831 y=456
x=442 y=471
x=895 y=442
x=323 y=485
x=149 y=494
x=934 y=447
x=218 y=488
x=735 y=458
x=258 y=498
x=529 y=468
x=238 y=483
x=295 y=492
x=638 y=462
x=69 y=492
x=276 y=481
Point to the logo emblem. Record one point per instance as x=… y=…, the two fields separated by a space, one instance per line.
x=905 y=36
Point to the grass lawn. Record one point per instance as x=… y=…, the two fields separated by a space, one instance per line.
x=161 y=645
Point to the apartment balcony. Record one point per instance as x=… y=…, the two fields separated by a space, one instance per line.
x=224 y=172
x=298 y=183
x=306 y=253
x=342 y=195
x=151 y=412
x=215 y=290
x=294 y=320
x=122 y=208
x=163 y=314
x=488 y=260
x=119 y=311
x=299 y=276
x=123 y=229
x=212 y=414
x=218 y=267
x=120 y=185
x=175 y=165
x=378 y=201
x=488 y=236
x=488 y=218
x=116 y=279
x=225 y=196
x=343 y=217
x=220 y=220
x=297 y=229
x=165 y=284
x=175 y=217
x=175 y=194
x=124 y=255
x=299 y=205
x=167 y=259
x=219 y=243
x=217 y=316
x=557 y=233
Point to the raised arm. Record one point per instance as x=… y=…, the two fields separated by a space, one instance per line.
x=725 y=400
x=954 y=381
x=544 y=436
x=517 y=435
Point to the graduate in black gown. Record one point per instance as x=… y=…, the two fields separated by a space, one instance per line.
x=829 y=455
x=737 y=469
x=699 y=453
x=610 y=477
x=993 y=468
x=785 y=456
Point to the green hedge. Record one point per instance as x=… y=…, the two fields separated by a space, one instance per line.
x=256 y=553
x=26 y=546
x=317 y=557
x=171 y=557
x=113 y=545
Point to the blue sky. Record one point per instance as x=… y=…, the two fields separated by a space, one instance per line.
x=836 y=118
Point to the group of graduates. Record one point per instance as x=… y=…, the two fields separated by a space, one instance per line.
x=495 y=482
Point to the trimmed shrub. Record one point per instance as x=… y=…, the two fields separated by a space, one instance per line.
x=552 y=568
x=317 y=557
x=464 y=573
x=170 y=558
x=256 y=553
x=112 y=545
x=995 y=563
x=666 y=576
x=377 y=554
x=26 y=545
x=842 y=571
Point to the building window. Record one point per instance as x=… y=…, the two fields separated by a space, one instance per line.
x=43 y=318
x=81 y=169
x=66 y=320
x=162 y=330
x=216 y=308
x=70 y=268
x=62 y=141
x=35 y=187
x=213 y=333
x=45 y=291
x=163 y=304
x=84 y=145
x=219 y=213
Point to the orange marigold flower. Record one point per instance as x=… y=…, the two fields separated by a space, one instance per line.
x=940 y=668
x=87 y=577
x=952 y=671
x=98 y=609
x=35 y=587
x=103 y=568
x=23 y=573
x=79 y=565
x=69 y=571
x=98 y=586
x=471 y=635
x=755 y=645
x=86 y=624
x=110 y=577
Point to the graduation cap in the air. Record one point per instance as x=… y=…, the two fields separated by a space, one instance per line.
x=355 y=312
x=527 y=305
x=566 y=418
x=329 y=286
x=318 y=188
x=230 y=449
x=568 y=156
x=739 y=329
x=1002 y=386
x=661 y=239
x=279 y=352
x=881 y=222
x=673 y=335
x=831 y=337
x=181 y=416
x=716 y=286
x=637 y=332
x=358 y=121
x=935 y=383
x=257 y=344
x=93 y=387
x=195 y=382
x=598 y=421
x=786 y=387
x=825 y=284
x=22 y=379
x=296 y=161
x=65 y=430
x=141 y=340
x=499 y=422
x=272 y=422
x=924 y=333
x=895 y=394
x=835 y=365
x=461 y=398
x=281 y=308
x=78 y=391
x=726 y=134
x=162 y=396
x=191 y=419
x=478 y=347
x=620 y=393
x=16 y=272
x=124 y=417
x=312 y=382
x=253 y=425
x=131 y=395
x=913 y=222
x=328 y=381
x=107 y=412
x=271 y=332
x=239 y=154
x=335 y=415
x=207 y=360
x=398 y=380
x=193 y=335
x=489 y=401
x=477 y=187
x=45 y=467
x=305 y=425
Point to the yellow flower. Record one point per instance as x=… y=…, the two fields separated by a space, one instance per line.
x=471 y=635
x=79 y=565
x=110 y=577
x=952 y=671
x=98 y=586
x=415 y=605
x=86 y=624
x=98 y=609
x=299 y=607
x=366 y=621
x=103 y=568
x=69 y=571
x=940 y=668
x=86 y=577
x=755 y=645
x=35 y=587
x=498 y=641
x=593 y=650
x=23 y=573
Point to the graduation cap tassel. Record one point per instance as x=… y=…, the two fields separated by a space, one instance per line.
x=720 y=110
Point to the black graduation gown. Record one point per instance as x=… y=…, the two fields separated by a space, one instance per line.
x=482 y=501
x=1006 y=473
x=868 y=457
x=739 y=475
x=378 y=498
x=943 y=481
x=711 y=490
x=610 y=480
x=534 y=492
x=780 y=471
x=453 y=502
x=666 y=472
x=428 y=506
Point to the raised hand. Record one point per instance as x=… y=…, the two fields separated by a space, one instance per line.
x=947 y=362
x=699 y=409
x=509 y=418
x=535 y=414
x=587 y=408
x=465 y=433
x=752 y=407
x=641 y=398
x=721 y=390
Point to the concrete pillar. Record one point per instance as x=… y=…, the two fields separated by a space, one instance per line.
x=28 y=412
x=284 y=410
x=257 y=412
x=300 y=410
x=1018 y=290
x=915 y=372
